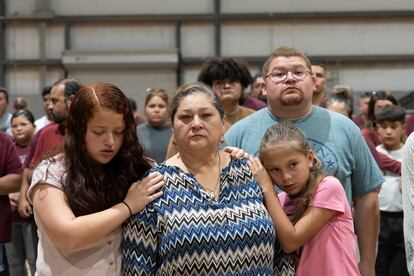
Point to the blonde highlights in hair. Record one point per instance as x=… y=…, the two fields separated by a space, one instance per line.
x=286 y=133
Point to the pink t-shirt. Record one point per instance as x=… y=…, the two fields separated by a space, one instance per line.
x=332 y=250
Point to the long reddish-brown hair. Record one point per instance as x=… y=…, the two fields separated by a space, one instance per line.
x=90 y=187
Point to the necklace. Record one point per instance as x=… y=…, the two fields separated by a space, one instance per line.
x=236 y=112
x=211 y=193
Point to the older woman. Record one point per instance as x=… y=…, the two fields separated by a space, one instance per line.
x=211 y=218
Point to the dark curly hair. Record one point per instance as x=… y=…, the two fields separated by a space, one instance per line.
x=92 y=187
x=225 y=68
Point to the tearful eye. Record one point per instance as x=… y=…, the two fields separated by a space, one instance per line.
x=299 y=73
x=279 y=74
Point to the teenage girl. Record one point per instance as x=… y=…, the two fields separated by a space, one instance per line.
x=24 y=237
x=312 y=215
x=82 y=196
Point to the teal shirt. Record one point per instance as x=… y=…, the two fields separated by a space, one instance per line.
x=154 y=140
x=336 y=140
x=5 y=122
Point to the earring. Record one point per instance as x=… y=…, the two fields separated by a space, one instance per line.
x=222 y=139
x=174 y=142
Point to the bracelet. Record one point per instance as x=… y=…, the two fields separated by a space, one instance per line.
x=129 y=209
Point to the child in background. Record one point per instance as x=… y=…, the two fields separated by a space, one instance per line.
x=391 y=259
x=23 y=245
x=312 y=214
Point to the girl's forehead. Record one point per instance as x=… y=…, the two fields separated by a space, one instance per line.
x=281 y=149
x=20 y=117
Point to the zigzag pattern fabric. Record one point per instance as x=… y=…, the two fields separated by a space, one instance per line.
x=187 y=233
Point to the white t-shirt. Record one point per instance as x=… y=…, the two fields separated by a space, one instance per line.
x=102 y=258
x=390 y=197
x=42 y=122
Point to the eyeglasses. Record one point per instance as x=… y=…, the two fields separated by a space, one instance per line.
x=280 y=76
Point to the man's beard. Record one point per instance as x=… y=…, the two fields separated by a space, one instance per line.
x=57 y=119
x=292 y=100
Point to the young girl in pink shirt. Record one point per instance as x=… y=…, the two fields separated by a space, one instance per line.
x=312 y=216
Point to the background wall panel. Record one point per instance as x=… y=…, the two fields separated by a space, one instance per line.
x=122 y=36
x=366 y=44
x=319 y=37
x=22 y=41
x=64 y=7
x=133 y=82
x=247 y=6
x=197 y=40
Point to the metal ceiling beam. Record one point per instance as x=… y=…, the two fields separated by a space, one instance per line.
x=325 y=59
x=406 y=14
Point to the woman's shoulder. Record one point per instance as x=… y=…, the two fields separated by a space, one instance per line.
x=245 y=111
x=50 y=171
x=53 y=164
x=233 y=164
x=165 y=168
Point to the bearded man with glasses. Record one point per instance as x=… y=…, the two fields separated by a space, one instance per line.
x=288 y=85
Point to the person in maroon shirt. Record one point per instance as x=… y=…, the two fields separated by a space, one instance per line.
x=361 y=119
x=10 y=170
x=23 y=246
x=51 y=137
x=378 y=100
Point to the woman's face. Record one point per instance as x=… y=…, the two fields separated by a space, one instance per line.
x=381 y=103
x=22 y=130
x=197 y=123
x=156 y=112
x=339 y=107
x=228 y=90
x=104 y=135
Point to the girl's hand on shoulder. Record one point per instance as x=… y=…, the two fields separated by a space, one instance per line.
x=236 y=153
x=261 y=175
x=144 y=191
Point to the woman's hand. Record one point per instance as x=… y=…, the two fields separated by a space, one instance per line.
x=236 y=152
x=25 y=209
x=261 y=175
x=143 y=192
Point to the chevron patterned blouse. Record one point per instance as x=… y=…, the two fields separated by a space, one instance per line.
x=187 y=233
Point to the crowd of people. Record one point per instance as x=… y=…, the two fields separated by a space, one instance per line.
x=284 y=180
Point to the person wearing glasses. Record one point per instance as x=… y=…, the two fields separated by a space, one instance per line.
x=337 y=141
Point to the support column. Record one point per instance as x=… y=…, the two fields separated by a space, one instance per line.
x=3 y=44
x=217 y=28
